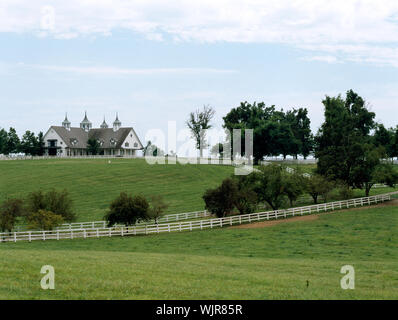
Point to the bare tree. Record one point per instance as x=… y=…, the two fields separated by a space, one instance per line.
x=198 y=122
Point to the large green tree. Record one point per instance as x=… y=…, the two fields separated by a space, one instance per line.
x=275 y=132
x=28 y=144
x=13 y=142
x=3 y=141
x=341 y=139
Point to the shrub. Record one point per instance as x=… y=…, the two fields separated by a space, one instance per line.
x=293 y=185
x=270 y=185
x=317 y=185
x=345 y=192
x=221 y=200
x=44 y=220
x=57 y=202
x=157 y=207
x=246 y=200
x=10 y=210
x=127 y=210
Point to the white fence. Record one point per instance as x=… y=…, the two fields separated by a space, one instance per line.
x=67 y=157
x=190 y=225
x=102 y=223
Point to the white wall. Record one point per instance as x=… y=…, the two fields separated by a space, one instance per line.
x=131 y=139
x=52 y=135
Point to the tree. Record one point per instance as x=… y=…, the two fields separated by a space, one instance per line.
x=10 y=210
x=198 y=122
x=218 y=150
x=340 y=140
x=271 y=185
x=384 y=138
x=127 y=210
x=274 y=132
x=383 y=173
x=93 y=146
x=301 y=127
x=363 y=171
x=28 y=144
x=316 y=185
x=293 y=186
x=13 y=143
x=57 y=202
x=39 y=148
x=44 y=220
x=152 y=150
x=246 y=199
x=394 y=142
x=3 y=141
x=157 y=207
x=221 y=200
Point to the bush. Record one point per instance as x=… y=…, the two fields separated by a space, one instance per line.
x=127 y=210
x=157 y=207
x=270 y=185
x=246 y=199
x=10 y=210
x=54 y=201
x=345 y=192
x=221 y=200
x=317 y=185
x=44 y=220
x=293 y=185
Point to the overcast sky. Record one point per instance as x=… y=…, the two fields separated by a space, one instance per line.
x=155 y=60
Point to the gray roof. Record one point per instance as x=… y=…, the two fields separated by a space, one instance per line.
x=69 y=136
x=103 y=135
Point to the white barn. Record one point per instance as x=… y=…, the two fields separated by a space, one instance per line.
x=72 y=141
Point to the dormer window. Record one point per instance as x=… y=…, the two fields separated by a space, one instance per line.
x=73 y=141
x=100 y=142
x=112 y=141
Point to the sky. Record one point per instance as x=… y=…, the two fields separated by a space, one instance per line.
x=154 y=61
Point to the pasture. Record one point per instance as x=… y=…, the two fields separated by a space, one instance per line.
x=94 y=183
x=273 y=262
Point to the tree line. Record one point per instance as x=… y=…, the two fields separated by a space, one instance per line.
x=288 y=133
x=29 y=143
x=351 y=148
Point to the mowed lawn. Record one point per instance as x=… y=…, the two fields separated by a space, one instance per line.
x=291 y=260
x=93 y=184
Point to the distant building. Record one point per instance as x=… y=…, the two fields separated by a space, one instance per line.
x=67 y=141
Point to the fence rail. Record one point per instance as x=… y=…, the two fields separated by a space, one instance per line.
x=190 y=225
x=102 y=223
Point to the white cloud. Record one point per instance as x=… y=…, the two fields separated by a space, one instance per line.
x=359 y=30
x=328 y=59
x=104 y=70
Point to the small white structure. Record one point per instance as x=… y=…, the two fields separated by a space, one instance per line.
x=72 y=141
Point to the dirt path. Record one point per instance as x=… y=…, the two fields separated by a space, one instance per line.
x=311 y=217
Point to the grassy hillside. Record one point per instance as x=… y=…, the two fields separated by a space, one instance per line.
x=93 y=184
x=264 y=263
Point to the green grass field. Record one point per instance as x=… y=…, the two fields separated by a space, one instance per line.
x=264 y=263
x=93 y=184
